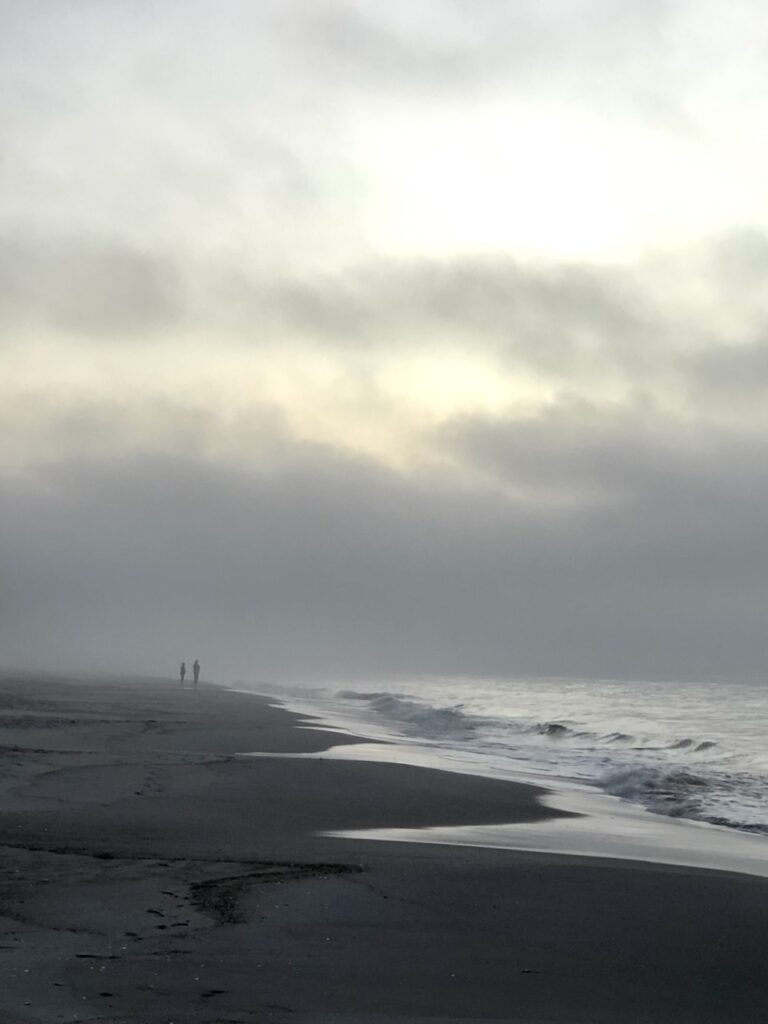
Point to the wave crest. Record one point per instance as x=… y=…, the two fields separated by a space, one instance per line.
x=675 y=775
x=418 y=719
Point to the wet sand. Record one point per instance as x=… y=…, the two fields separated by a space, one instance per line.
x=150 y=874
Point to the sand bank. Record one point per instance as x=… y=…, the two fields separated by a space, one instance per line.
x=150 y=874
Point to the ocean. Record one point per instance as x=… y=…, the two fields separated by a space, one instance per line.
x=685 y=750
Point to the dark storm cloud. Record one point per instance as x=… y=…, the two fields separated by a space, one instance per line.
x=325 y=564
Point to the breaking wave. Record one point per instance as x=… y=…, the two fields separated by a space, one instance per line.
x=416 y=717
x=684 y=776
x=682 y=794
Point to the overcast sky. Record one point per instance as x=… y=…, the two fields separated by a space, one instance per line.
x=348 y=337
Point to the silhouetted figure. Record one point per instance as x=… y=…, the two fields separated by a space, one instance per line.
x=196 y=670
x=182 y=672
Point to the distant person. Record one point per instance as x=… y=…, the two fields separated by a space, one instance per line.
x=196 y=671
x=183 y=672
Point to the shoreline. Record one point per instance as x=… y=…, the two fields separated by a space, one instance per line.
x=150 y=873
x=593 y=823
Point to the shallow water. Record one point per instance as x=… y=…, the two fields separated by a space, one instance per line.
x=692 y=750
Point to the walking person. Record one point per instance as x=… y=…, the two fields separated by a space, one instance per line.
x=182 y=672
x=196 y=671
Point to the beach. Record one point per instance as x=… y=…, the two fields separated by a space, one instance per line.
x=152 y=872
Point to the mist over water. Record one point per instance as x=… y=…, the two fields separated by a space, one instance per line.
x=399 y=340
x=690 y=750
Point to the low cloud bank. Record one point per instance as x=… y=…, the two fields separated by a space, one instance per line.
x=623 y=554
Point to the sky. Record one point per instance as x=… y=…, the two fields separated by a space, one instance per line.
x=422 y=338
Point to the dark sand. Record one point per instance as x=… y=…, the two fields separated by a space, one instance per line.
x=149 y=875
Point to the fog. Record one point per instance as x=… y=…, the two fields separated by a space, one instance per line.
x=585 y=544
x=351 y=341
